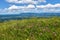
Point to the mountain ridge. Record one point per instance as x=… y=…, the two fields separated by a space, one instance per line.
x=28 y=15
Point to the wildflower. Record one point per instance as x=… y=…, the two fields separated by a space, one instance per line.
x=54 y=33
x=40 y=33
x=27 y=39
x=3 y=34
x=44 y=29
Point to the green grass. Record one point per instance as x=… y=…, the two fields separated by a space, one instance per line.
x=31 y=29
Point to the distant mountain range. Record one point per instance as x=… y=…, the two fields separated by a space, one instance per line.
x=27 y=15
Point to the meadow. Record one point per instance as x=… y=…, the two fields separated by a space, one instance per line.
x=31 y=29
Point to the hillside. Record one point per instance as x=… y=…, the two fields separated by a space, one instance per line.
x=31 y=29
x=26 y=15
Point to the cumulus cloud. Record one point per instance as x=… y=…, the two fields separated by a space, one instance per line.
x=26 y=1
x=30 y=6
x=21 y=7
x=49 y=6
x=15 y=7
x=32 y=9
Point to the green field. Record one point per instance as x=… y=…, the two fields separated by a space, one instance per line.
x=31 y=29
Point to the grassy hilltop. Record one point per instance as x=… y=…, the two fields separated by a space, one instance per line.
x=31 y=29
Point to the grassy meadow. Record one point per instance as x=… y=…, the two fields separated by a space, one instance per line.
x=31 y=29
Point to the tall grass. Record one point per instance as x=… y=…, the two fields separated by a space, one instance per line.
x=31 y=29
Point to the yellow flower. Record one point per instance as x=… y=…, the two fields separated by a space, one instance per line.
x=27 y=39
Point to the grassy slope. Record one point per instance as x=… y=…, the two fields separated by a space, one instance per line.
x=31 y=29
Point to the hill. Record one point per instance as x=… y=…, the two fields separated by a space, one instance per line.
x=31 y=29
x=26 y=15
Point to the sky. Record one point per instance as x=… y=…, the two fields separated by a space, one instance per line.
x=29 y=6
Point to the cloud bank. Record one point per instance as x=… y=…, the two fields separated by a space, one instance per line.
x=49 y=8
x=32 y=7
x=26 y=1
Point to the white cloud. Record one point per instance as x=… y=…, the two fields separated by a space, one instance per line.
x=21 y=7
x=57 y=5
x=16 y=7
x=26 y=1
x=13 y=7
x=31 y=8
x=42 y=0
x=48 y=6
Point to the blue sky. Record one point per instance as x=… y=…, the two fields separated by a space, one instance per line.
x=19 y=6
